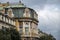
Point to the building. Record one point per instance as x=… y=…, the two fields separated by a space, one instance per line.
x=6 y=22
x=26 y=19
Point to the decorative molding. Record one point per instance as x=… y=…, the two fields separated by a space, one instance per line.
x=26 y=12
x=10 y=12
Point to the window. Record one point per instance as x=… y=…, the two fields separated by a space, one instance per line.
x=21 y=31
x=26 y=27
x=26 y=30
x=18 y=12
x=3 y=28
x=21 y=25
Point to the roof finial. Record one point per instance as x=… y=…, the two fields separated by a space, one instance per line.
x=20 y=1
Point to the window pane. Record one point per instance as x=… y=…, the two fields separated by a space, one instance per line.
x=21 y=31
x=21 y=25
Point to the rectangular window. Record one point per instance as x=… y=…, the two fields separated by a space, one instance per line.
x=21 y=25
x=26 y=30
x=21 y=31
x=3 y=28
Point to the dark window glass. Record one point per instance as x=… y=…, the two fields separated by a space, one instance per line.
x=21 y=25
x=4 y=29
x=26 y=30
x=18 y=12
x=21 y=31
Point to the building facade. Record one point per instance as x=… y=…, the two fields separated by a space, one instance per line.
x=6 y=22
x=26 y=19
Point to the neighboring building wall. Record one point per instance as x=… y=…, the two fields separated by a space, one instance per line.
x=6 y=21
x=4 y=4
x=5 y=25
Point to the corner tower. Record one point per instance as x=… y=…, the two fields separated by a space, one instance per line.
x=26 y=21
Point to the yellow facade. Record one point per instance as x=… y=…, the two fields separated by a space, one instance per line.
x=17 y=24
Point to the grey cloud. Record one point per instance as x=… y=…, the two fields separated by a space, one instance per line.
x=39 y=3
x=47 y=25
x=53 y=1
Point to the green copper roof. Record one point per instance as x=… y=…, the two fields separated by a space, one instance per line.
x=16 y=5
x=18 y=9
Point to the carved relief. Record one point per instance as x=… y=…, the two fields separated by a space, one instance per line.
x=26 y=13
x=10 y=13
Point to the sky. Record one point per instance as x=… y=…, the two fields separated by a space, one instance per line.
x=48 y=14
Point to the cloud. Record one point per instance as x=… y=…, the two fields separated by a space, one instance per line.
x=49 y=19
x=53 y=2
x=49 y=13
